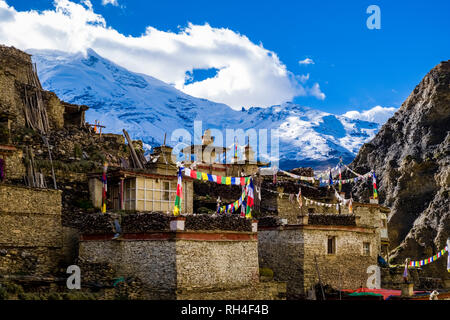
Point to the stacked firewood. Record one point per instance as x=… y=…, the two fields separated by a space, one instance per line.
x=224 y=222
x=34 y=109
x=333 y=219
x=145 y=222
x=97 y=224
x=269 y=221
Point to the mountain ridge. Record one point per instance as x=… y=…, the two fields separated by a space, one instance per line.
x=148 y=108
x=411 y=156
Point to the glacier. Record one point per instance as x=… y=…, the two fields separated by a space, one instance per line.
x=149 y=108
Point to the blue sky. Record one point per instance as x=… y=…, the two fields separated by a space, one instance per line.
x=356 y=68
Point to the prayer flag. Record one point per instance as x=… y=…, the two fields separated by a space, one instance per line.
x=179 y=196
x=375 y=191
x=105 y=187
x=299 y=198
x=350 y=206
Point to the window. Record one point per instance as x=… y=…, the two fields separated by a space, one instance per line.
x=331 y=246
x=366 y=248
x=166 y=192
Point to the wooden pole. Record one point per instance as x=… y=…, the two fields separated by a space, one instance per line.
x=122 y=206
x=51 y=162
x=318 y=273
x=133 y=152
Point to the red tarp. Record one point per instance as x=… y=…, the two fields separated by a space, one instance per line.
x=385 y=292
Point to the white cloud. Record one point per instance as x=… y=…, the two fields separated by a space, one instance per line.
x=112 y=2
x=315 y=92
x=249 y=75
x=377 y=114
x=306 y=61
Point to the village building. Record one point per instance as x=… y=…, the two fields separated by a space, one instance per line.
x=212 y=159
x=317 y=243
x=152 y=189
x=193 y=256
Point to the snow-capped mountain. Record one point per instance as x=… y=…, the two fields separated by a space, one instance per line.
x=148 y=108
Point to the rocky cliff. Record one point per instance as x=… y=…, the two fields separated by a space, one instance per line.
x=411 y=156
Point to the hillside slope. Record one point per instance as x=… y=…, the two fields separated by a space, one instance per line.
x=411 y=156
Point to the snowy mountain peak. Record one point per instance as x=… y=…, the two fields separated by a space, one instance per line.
x=148 y=108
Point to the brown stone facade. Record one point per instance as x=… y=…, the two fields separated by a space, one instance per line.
x=30 y=230
x=298 y=253
x=292 y=253
x=185 y=264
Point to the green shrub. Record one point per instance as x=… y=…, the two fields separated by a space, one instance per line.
x=13 y=288
x=3 y=293
x=77 y=151
x=204 y=210
x=266 y=272
x=84 y=204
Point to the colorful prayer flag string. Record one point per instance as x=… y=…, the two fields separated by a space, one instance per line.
x=232 y=208
x=424 y=262
x=238 y=181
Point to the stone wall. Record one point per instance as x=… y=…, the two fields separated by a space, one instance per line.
x=261 y=291
x=290 y=252
x=15 y=168
x=282 y=251
x=347 y=269
x=153 y=262
x=15 y=67
x=55 y=110
x=216 y=264
x=188 y=264
x=30 y=230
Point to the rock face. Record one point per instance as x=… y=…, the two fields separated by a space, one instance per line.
x=411 y=157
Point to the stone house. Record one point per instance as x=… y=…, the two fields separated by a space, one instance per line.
x=189 y=258
x=315 y=242
x=21 y=86
x=152 y=189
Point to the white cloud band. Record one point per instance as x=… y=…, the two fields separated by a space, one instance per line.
x=377 y=114
x=249 y=74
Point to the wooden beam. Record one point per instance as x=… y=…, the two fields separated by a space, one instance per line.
x=134 y=156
